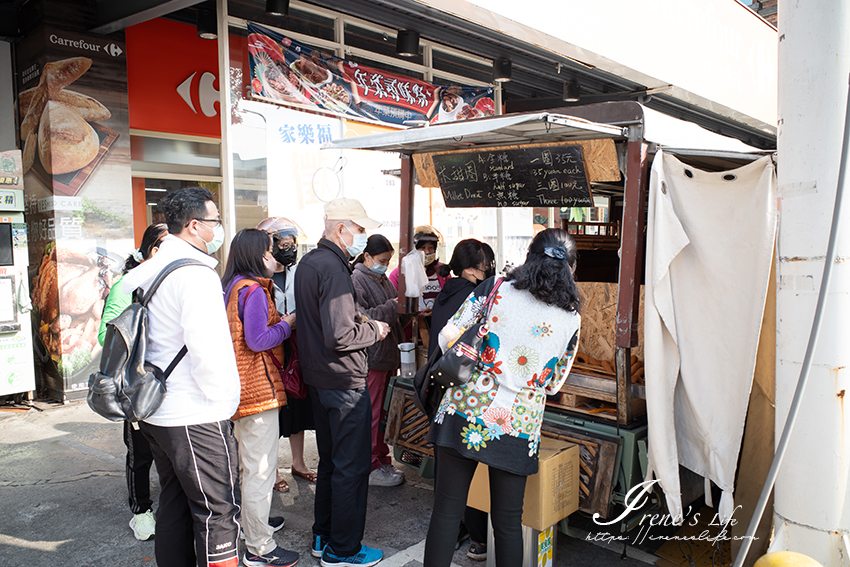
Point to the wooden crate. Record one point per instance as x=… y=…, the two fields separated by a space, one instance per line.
x=592 y=402
x=407 y=427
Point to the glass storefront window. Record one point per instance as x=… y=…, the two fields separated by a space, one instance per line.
x=376 y=42
x=462 y=66
x=157 y=189
x=299 y=21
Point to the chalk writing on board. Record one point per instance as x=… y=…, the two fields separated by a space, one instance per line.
x=519 y=177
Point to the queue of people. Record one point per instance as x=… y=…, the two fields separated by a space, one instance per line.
x=215 y=438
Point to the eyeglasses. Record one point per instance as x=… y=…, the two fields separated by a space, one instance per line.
x=216 y=221
x=278 y=238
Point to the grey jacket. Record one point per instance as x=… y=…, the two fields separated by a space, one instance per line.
x=378 y=300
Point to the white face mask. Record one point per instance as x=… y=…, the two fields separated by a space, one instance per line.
x=358 y=243
x=379 y=268
x=218 y=239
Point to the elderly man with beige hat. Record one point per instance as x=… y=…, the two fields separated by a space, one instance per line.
x=332 y=341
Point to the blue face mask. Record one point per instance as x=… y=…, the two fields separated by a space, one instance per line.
x=358 y=244
x=379 y=269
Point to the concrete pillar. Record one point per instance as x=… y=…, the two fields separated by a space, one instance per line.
x=811 y=499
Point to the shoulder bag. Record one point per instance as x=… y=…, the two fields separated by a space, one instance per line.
x=456 y=366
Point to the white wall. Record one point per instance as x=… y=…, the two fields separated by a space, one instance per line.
x=7 y=107
x=716 y=54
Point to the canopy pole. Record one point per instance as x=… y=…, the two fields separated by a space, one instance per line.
x=500 y=228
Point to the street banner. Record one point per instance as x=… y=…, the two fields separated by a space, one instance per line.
x=286 y=71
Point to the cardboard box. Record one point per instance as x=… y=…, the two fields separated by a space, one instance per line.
x=538 y=548
x=550 y=495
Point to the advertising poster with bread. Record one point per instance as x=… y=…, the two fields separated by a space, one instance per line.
x=74 y=126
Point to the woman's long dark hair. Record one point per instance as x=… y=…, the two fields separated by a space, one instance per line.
x=546 y=276
x=151 y=239
x=376 y=244
x=469 y=253
x=246 y=255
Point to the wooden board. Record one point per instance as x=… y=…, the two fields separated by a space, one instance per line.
x=600 y=161
x=69 y=184
x=597 y=459
x=599 y=318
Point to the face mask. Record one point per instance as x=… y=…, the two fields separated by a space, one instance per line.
x=218 y=239
x=430 y=259
x=379 y=268
x=286 y=256
x=358 y=244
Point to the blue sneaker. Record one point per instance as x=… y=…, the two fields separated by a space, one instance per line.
x=366 y=557
x=319 y=543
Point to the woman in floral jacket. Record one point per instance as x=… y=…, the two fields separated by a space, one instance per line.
x=495 y=418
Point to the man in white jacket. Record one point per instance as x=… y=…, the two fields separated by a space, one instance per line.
x=190 y=434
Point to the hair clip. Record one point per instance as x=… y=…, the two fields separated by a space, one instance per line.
x=558 y=252
x=137 y=256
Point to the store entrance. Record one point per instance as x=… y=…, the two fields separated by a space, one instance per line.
x=148 y=193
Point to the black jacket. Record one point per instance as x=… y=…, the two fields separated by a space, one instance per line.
x=451 y=297
x=332 y=336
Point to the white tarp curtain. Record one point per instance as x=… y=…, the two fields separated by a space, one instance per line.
x=710 y=240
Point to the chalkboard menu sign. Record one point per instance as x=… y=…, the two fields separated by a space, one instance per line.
x=551 y=176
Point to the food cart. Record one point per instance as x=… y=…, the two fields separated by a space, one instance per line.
x=607 y=149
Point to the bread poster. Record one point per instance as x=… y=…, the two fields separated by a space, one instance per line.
x=75 y=140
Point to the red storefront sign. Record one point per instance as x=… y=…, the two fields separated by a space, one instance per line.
x=172 y=77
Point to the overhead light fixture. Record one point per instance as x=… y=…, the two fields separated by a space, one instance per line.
x=156 y=189
x=572 y=91
x=277 y=7
x=407 y=43
x=502 y=70
x=206 y=23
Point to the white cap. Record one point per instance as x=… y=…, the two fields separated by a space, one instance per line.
x=349 y=209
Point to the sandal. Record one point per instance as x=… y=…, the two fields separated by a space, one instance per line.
x=281 y=485
x=309 y=475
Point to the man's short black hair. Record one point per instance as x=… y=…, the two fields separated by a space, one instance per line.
x=183 y=205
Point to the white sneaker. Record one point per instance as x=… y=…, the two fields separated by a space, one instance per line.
x=386 y=475
x=143 y=526
x=393 y=471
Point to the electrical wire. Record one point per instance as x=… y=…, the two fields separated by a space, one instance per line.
x=794 y=410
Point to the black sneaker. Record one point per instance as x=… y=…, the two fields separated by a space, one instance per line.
x=477 y=551
x=318 y=546
x=279 y=557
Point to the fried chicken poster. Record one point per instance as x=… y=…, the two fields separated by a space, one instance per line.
x=286 y=71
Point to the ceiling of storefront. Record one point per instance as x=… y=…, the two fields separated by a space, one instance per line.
x=538 y=75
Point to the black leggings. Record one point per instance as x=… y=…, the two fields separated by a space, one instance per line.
x=454 y=475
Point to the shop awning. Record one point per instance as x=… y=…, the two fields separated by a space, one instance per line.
x=495 y=131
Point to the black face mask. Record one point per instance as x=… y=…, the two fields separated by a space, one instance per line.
x=286 y=256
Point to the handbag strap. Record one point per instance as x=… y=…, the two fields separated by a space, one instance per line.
x=275 y=361
x=488 y=305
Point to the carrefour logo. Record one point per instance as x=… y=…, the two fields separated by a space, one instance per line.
x=207 y=94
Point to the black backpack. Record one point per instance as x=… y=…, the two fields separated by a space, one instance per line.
x=127 y=387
